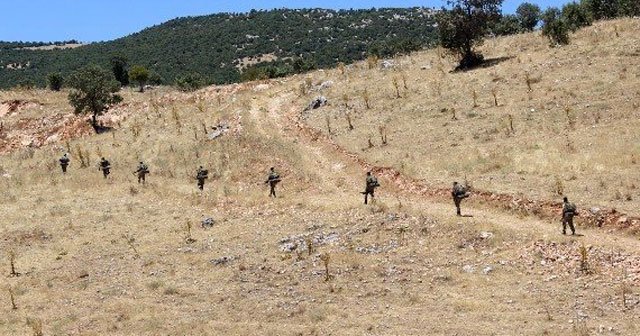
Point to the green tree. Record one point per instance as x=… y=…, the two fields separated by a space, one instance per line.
x=55 y=81
x=155 y=78
x=555 y=27
x=601 y=9
x=190 y=82
x=140 y=75
x=462 y=27
x=628 y=8
x=119 y=68
x=529 y=15
x=576 y=16
x=93 y=91
x=507 y=25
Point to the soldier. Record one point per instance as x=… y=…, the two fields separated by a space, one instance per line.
x=458 y=192
x=142 y=171
x=371 y=183
x=201 y=175
x=568 y=211
x=105 y=166
x=64 y=162
x=272 y=180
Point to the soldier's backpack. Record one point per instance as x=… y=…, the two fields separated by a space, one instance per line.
x=374 y=182
x=570 y=207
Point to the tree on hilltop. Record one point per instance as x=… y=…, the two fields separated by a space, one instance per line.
x=576 y=16
x=462 y=27
x=140 y=75
x=55 y=81
x=93 y=91
x=529 y=15
x=555 y=27
x=119 y=69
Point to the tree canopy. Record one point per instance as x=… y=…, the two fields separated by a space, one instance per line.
x=463 y=27
x=92 y=91
x=222 y=46
x=140 y=75
x=529 y=15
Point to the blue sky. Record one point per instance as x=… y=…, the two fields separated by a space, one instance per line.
x=101 y=20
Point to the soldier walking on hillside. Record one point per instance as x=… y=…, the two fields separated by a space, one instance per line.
x=201 y=175
x=105 y=167
x=64 y=163
x=142 y=171
x=458 y=192
x=371 y=183
x=273 y=179
x=568 y=211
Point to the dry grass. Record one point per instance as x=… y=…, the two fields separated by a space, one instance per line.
x=111 y=256
x=569 y=112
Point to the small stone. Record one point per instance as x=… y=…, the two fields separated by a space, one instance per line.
x=222 y=260
x=486 y=235
x=208 y=222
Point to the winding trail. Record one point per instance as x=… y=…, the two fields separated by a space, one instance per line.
x=537 y=218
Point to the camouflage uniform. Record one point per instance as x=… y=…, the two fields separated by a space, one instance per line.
x=142 y=171
x=64 y=162
x=568 y=211
x=105 y=166
x=459 y=192
x=371 y=183
x=201 y=175
x=272 y=180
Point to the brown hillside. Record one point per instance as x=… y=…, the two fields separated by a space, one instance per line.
x=113 y=257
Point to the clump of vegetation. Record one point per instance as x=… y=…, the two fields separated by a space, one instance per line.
x=140 y=75
x=190 y=82
x=130 y=241
x=12 y=263
x=13 y=299
x=576 y=16
x=326 y=258
x=555 y=27
x=366 y=98
x=36 y=326
x=528 y=15
x=189 y=239
x=584 y=260
x=55 y=81
x=93 y=90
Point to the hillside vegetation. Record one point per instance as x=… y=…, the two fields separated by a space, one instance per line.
x=98 y=256
x=219 y=46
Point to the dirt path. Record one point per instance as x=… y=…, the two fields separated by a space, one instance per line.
x=520 y=215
